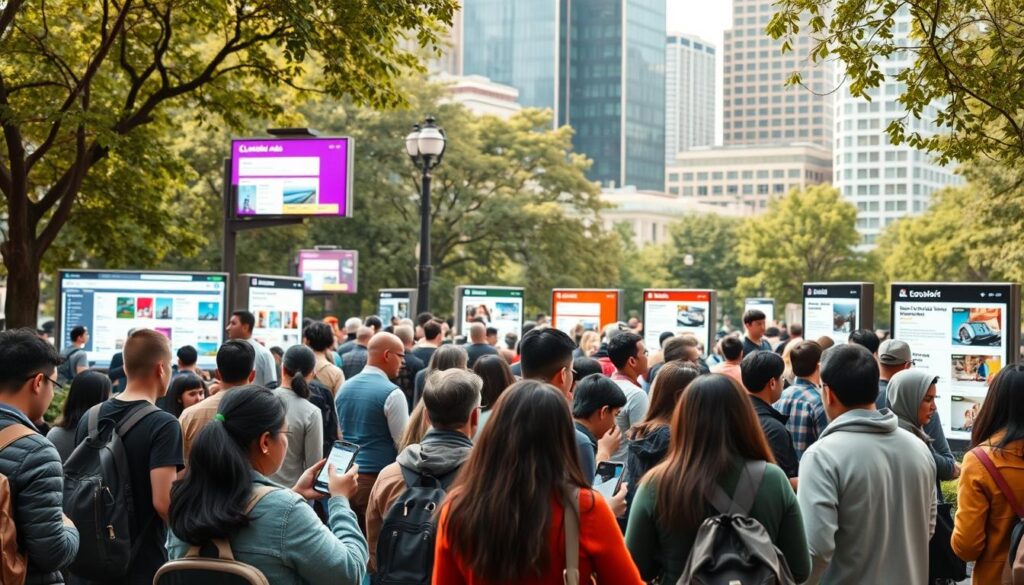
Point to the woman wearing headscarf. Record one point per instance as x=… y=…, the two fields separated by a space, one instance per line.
x=911 y=396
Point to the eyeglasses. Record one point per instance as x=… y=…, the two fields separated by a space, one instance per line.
x=52 y=380
x=400 y=355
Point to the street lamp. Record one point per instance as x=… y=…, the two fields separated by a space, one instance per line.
x=425 y=145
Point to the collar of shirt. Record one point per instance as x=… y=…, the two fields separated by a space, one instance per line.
x=762 y=407
x=618 y=376
x=8 y=409
x=805 y=383
x=373 y=370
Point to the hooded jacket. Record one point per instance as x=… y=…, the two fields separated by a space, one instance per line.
x=643 y=454
x=440 y=454
x=880 y=480
x=905 y=393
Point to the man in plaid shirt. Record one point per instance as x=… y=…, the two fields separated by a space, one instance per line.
x=802 y=402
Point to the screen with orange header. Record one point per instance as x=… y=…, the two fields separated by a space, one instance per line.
x=593 y=308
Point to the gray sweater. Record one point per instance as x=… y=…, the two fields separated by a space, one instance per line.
x=880 y=480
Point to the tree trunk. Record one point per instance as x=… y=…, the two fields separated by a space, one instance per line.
x=22 y=309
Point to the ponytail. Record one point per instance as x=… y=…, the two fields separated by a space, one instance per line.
x=209 y=502
x=299 y=362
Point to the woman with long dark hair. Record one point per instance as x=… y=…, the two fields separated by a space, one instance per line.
x=984 y=517
x=715 y=434
x=281 y=535
x=504 y=519
x=649 y=439
x=497 y=376
x=305 y=421
x=184 y=390
x=87 y=389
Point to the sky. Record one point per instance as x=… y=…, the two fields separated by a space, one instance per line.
x=707 y=19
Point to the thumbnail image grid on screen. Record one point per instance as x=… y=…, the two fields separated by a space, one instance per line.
x=276 y=303
x=293 y=176
x=501 y=308
x=188 y=308
x=962 y=335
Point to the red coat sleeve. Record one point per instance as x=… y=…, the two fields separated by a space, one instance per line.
x=602 y=541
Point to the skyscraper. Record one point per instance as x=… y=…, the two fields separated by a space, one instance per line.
x=689 y=94
x=759 y=108
x=883 y=180
x=598 y=64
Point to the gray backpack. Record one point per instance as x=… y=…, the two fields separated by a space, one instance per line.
x=732 y=548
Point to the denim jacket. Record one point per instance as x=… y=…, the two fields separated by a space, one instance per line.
x=288 y=543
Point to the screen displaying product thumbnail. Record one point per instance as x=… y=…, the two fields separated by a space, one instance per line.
x=834 y=309
x=187 y=308
x=957 y=333
x=396 y=303
x=498 y=307
x=584 y=309
x=678 y=311
x=296 y=176
x=276 y=303
x=329 y=271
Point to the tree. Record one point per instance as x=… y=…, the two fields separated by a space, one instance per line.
x=805 y=236
x=964 y=68
x=85 y=96
x=710 y=242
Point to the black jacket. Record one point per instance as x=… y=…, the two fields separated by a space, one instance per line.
x=32 y=466
x=643 y=454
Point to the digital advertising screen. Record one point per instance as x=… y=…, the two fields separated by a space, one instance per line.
x=593 y=308
x=399 y=303
x=186 y=307
x=765 y=305
x=276 y=302
x=836 y=309
x=292 y=176
x=961 y=333
x=499 y=306
x=679 y=311
x=329 y=271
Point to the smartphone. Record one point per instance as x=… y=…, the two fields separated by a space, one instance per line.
x=343 y=455
x=608 y=478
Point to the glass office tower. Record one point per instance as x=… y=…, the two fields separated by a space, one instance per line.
x=598 y=64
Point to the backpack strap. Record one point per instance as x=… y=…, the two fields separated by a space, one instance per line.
x=258 y=492
x=137 y=415
x=1004 y=487
x=571 y=506
x=12 y=433
x=747 y=487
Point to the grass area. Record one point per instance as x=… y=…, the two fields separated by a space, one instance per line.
x=949 y=491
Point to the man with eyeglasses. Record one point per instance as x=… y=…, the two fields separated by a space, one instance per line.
x=894 y=356
x=28 y=370
x=373 y=412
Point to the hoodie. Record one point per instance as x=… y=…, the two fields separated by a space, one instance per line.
x=643 y=454
x=880 y=480
x=439 y=454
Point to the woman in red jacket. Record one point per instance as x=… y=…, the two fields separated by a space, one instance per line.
x=503 y=520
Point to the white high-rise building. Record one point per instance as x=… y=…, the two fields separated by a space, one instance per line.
x=689 y=94
x=885 y=181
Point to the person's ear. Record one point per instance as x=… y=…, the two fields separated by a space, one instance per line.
x=474 y=418
x=216 y=375
x=826 y=395
x=252 y=376
x=264 y=443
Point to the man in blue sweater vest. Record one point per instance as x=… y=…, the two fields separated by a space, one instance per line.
x=373 y=412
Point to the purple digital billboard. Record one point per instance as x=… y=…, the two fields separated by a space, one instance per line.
x=296 y=176
x=329 y=271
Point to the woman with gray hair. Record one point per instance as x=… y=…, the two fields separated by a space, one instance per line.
x=446 y=357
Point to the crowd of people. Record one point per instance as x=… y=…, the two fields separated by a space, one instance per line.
x=476 y=459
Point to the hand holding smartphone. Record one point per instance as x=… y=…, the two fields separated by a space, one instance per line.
x=608 y=478
x=342 y=456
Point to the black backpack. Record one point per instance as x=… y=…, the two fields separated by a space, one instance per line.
x=732 y=547
x=405 y=547
x=64 y=372
x=98 y=497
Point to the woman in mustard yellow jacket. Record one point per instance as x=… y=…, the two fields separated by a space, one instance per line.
x=984 y=517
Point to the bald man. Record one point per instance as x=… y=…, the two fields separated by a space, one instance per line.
x=373 y=413
x=355 y=359
x=478 y=346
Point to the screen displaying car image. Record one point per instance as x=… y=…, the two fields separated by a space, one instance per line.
x=276 y=302
x=678 y=311
x=499 y=307
x=765 y=305
x=186 y=307
x=590 y=309
x=297 y=176
x=958 y=333
x=834 y=310
x=396 y=303
x=329 y=271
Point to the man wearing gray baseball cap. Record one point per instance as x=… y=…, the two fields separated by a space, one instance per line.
x=894 y=356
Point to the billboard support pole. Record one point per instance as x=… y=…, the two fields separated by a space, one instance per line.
x=234 y=225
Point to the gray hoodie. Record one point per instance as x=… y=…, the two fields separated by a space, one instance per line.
x=868 y=486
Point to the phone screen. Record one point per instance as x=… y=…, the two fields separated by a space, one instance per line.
x=342 y=456
x=608 y=477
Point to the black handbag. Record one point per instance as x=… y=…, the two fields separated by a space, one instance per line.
x=942 y=561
